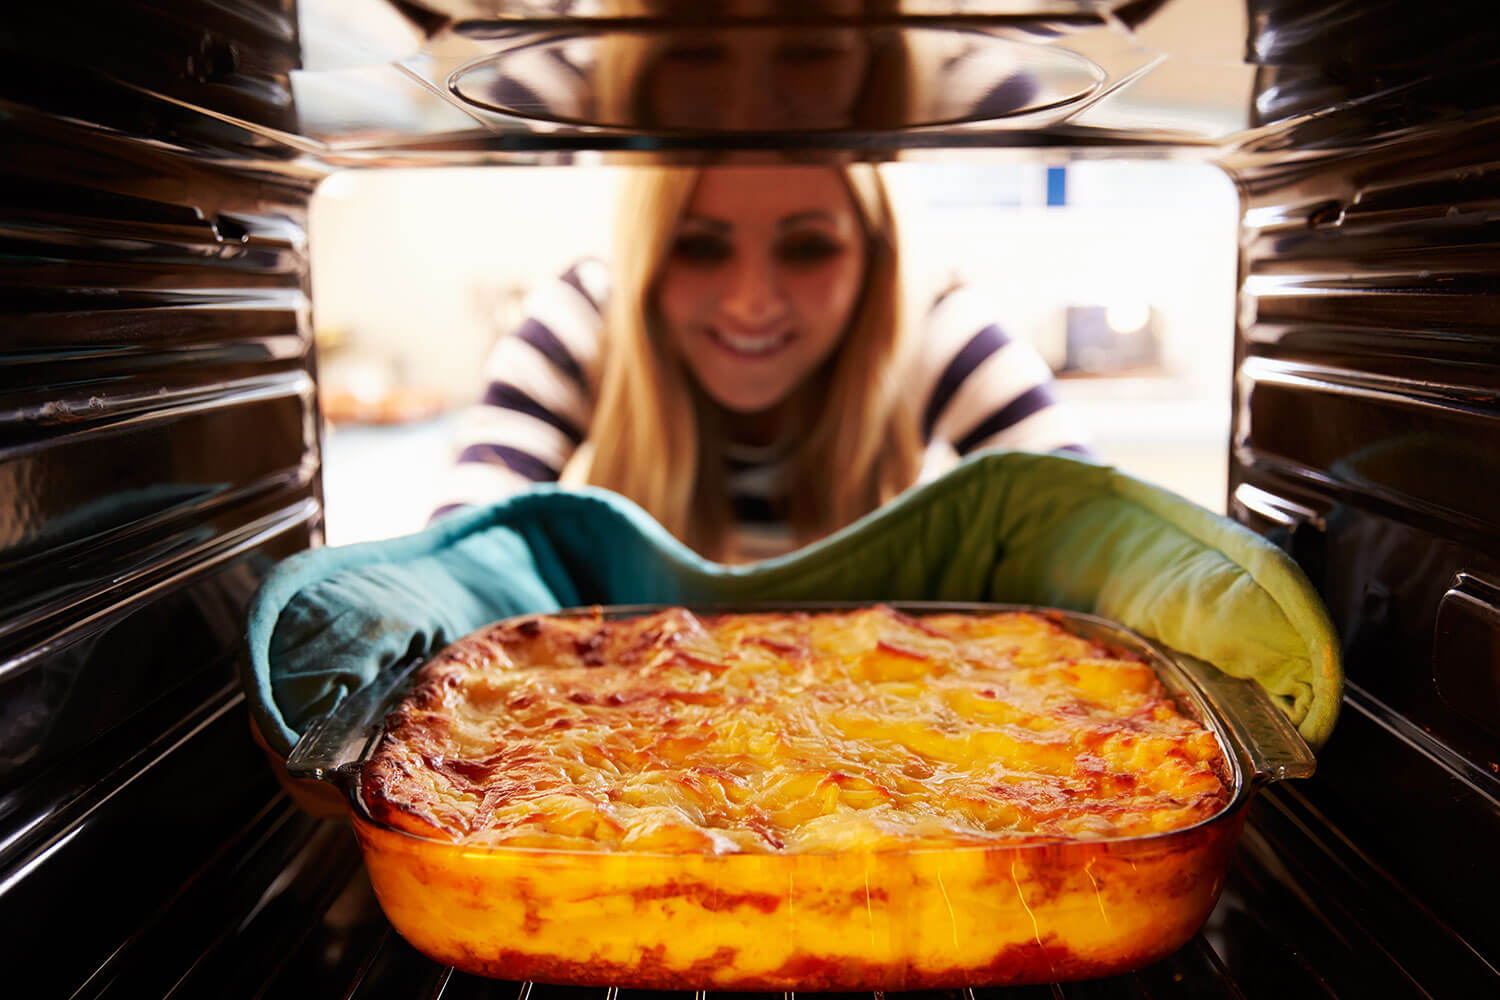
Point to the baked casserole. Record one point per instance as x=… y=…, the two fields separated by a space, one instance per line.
x=857 y=799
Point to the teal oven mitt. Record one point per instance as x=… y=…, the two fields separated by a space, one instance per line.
x=1006 y=527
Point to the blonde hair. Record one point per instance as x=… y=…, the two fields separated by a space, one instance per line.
x=655 y=436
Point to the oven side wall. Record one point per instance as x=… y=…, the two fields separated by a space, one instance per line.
x=159 y=452
x=1366 y=441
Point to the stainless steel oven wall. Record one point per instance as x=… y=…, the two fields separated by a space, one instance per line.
x=1366 y=440
x=158 y=452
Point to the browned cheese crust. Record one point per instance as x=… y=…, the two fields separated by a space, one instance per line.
x=788 y=733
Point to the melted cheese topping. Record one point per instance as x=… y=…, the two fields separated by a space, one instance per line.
x=863 y=730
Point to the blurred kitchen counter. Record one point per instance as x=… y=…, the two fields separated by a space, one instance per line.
x=1157 y=429
x=384 y=480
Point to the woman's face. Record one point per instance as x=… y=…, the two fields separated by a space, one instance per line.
x=761 y=280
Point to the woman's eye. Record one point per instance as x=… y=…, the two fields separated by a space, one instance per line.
x=807 y=249
x=701 y=249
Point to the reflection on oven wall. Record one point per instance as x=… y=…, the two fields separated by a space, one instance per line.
x=415 y=274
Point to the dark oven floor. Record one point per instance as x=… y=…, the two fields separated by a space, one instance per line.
x=287 y=911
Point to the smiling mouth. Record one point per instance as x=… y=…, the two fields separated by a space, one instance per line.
x=751 y=345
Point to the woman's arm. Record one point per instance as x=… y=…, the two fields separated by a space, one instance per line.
x=981 y=389
x=536 y=403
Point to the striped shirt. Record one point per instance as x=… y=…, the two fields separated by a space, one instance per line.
x=977 y=389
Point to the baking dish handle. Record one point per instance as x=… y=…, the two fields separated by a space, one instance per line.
x=336 y=743
x=1275 y=749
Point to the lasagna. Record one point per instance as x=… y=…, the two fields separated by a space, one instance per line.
x=789 y=733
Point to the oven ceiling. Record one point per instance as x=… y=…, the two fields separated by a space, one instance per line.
x=464 y=81
x=315 y=85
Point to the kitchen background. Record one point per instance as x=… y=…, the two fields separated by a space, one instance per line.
x=1121 y=274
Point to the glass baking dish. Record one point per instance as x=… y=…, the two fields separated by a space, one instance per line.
x=893 y=920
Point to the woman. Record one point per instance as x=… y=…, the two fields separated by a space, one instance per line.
x=750 y=378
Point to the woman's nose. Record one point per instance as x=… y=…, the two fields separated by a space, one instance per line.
x=754 y=298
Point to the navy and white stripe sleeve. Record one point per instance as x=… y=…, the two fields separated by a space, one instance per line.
x=536 y=403
x=981 y=389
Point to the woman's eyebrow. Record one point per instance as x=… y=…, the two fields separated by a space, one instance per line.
x=716 y=225
x=797 y=218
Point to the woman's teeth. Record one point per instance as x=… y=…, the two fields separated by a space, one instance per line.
x=751 y=344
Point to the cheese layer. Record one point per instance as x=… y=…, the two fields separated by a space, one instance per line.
x=865 y=730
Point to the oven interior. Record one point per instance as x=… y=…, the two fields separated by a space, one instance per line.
x=161 y=437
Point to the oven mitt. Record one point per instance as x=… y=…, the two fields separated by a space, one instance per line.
x=1008 y=527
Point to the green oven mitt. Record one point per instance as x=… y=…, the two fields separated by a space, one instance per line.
x=1002 y=526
